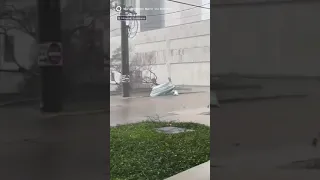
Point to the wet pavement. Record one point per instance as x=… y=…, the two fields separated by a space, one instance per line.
x=134 y=109
x=265 y=135
x=260 y=135
x=64 y=148
x=271 y=87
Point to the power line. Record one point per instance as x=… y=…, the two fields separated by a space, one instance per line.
x=171 y=18
x=174 y=11
x=170 y=13
x=177 y=11
x=188 y=4
x=167 y=14
x=156 y=22
x=115 y=29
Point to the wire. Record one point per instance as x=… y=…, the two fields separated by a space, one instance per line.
x=188 y=4
x=170 y=18
x=175 y=11
x=114 y=29
x=133 y=24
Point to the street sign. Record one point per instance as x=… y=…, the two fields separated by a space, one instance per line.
x=125 y=78
x=55 y=53
x=50 y=54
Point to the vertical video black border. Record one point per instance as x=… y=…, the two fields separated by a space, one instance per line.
x=43 y=160
x=211 y=105
x=107 y=42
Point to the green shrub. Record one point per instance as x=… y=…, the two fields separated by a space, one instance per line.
x=138 y=151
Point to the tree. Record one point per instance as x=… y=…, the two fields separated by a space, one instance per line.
x=25 y=21
x=78 y=37
x=17 y=20
x=141 y=67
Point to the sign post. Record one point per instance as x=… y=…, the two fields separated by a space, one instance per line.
x=50 y=57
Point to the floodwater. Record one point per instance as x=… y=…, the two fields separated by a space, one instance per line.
x=134 y=109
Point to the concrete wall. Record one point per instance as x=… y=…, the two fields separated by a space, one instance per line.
x=184 y=42
x=278 y=38
x=183 y=13
x=186 y=47
x=176 y=14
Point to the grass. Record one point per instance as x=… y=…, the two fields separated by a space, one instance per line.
x=138 y=152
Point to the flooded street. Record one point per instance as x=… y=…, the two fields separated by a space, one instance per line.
x=133 y=109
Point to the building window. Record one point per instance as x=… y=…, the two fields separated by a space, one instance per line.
x=9 y=49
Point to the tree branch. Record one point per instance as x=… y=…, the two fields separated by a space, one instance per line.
x=10 y=15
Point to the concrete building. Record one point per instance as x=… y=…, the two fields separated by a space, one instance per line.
x=176 y=35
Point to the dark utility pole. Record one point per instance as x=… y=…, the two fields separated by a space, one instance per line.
x=125 y=53
x=50 y=58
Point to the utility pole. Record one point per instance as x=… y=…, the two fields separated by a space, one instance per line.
x=125 y=53
x=50 y=58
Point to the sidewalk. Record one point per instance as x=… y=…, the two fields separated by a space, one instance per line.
x=200 y=172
